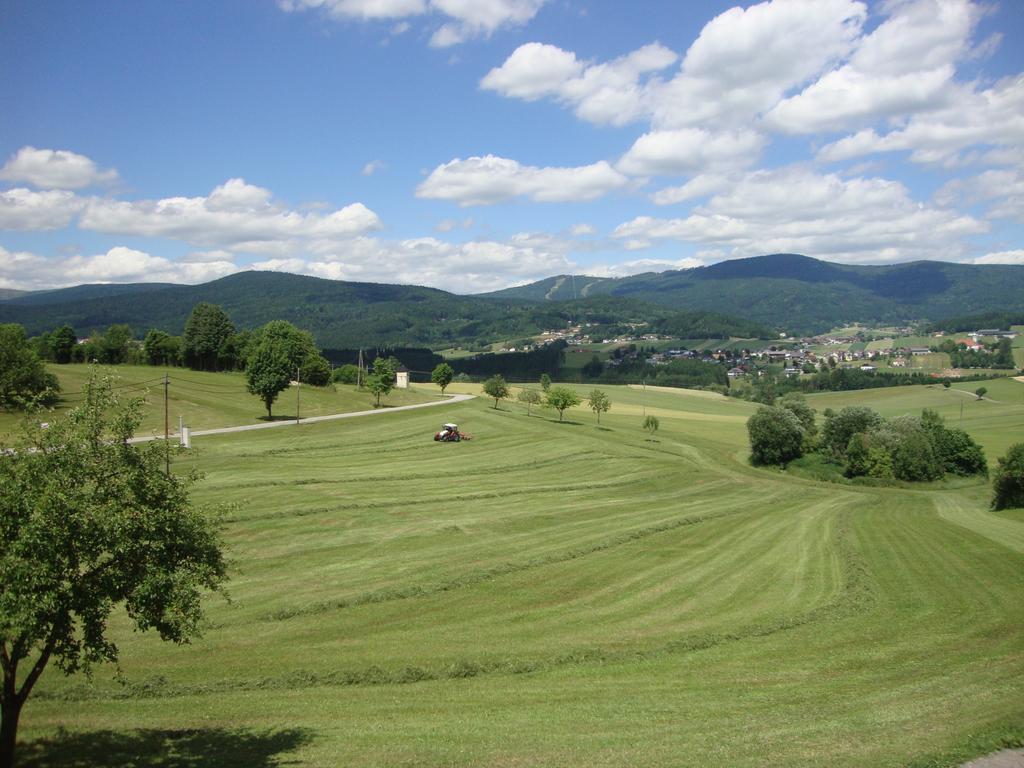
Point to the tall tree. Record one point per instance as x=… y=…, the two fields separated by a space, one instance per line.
x=496 y=387
x=206 y=330
x=89 y=523
x=561 y=398
x=442 y=375
x=599 y=403
x=268 y=372
x=529 y=396
x=382 y=380
x=63 y=342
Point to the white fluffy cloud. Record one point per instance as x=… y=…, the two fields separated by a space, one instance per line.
x=1002 y=190
x=490 y=179
x=466 y=18
x=464 y=268
x=796 y=210
x=479 y=18
x=990 y=117
x=690 y=150
x=1002 y=257
x=234 y=214
x=54 y=169
x=358 y=9
x=26 y=209
x=614 y=92
x=904 y=66
x=29 y=271
x=741 y=65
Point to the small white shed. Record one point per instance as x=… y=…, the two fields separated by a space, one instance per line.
x=402 y=378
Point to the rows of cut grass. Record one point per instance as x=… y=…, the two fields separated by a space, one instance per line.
x=567 y=593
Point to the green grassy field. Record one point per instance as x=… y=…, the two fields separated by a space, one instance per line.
x=210 y=400
x=566 y=594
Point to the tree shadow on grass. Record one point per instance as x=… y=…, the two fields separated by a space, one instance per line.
x=153 y=748
x=276 y=417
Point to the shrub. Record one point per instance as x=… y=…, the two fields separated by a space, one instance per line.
x=346 y=374
x=1008 y=485
x=776 y=436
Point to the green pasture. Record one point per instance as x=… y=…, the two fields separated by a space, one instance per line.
x=210 y=400
x=561 y=594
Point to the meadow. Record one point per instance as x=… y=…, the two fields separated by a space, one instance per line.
x=210 y=400
x=574 y=594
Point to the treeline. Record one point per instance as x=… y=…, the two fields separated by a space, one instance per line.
x=516 y=366
x=765 y=389
x=996 y=319
x=418 y=359
x=996 y=355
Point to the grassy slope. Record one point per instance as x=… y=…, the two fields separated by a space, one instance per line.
x=209 y=400
x=567 y=594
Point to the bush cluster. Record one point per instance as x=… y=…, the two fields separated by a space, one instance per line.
x=904 y=448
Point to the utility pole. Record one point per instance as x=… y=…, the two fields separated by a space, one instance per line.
x=359 y=373
x=298 y=392
x=167 y=428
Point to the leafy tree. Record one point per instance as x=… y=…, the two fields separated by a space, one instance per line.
x=161 y=348
x=529 y=396
x=346 y=374
x=651 y=424
x=63 y=341
x=113 y=345
x=599 y=403
x=545 y=382
x=561 y=398
x=1008 y=484
x=382 y=380
x=796 y=404
x=496 y=387
x=269 y=371
x=840 y=427
x=23 y=377
x=234 y=351
x=442 y=375
x=776 y=436
x=316 y=371
x=91 y=522
x=914 y=458
x=206 y=330
x=980 y=392
x=864 y=456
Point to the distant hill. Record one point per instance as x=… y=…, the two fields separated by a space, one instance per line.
x=81 y=293
x=781 y=291
x=802 y=294
x=10 y=293
x=344 y=314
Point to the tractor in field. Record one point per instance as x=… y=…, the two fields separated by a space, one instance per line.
x=450 y=434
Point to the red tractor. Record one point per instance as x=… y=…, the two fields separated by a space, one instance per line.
x=450 y=434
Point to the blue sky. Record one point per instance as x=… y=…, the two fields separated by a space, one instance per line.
x=475 y=144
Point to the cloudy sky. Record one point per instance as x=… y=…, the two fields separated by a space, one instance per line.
x=476 y=144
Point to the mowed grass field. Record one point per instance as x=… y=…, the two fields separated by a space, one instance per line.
x=210 y=400
x=570 y=594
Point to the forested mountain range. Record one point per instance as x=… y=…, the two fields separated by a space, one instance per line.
x=781 y=291
x=344 y=314
x=801 y=294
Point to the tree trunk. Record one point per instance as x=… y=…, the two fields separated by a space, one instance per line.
x=10 y=710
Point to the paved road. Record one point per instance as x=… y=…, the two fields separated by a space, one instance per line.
x=1007 y=758
x=312 y=419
